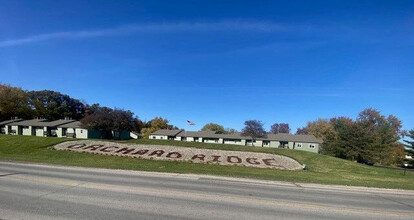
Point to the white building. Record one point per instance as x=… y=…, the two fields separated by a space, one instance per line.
x=3 y=125
x=289 y=141
x=35 y=127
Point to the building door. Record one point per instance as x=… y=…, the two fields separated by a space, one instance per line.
x=117 y=135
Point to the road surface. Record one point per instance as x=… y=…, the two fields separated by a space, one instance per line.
x=30 y=191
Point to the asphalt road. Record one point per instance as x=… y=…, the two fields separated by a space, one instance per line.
x=47 y=192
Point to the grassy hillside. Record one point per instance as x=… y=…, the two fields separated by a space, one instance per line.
x=321 y=168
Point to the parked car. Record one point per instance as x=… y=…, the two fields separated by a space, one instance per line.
x=366 y=162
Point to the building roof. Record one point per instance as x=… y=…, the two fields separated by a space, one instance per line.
x=73 y=124
x=204 y=134
x=293 y=138
x=57 y=122
x=41 y=123
x=238 y=135
x=33 y=122
x=167 y=132
x=10 y=121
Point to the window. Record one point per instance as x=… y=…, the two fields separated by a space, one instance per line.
x=153 y=137
x=81 y=131
x=161 y=137
x=299 y=145
x=312 y=146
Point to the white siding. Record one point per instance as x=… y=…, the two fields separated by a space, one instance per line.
x=27 y=130
x=70 y=130
x=212 y=140
x=81 y=133
x=274 y=143
x=233 y=141
x=59 y=132
x=14 y=127
x=39 y=131
x=159 y=137
x=133 y=136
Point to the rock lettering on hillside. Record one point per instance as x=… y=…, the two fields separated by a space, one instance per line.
x=195 y=155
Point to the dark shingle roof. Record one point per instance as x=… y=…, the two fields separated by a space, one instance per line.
x=197 y=134
x=42 y=123
x=293 y=138
x=238 y=135
x=33 y=122
x=167 y=132
x=73 y=124
x=10 y=121
x=57 y=122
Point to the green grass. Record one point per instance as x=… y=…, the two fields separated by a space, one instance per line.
x=321 y=168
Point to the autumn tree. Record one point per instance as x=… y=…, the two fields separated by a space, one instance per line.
x=372 y=136
x=219 y=129
x=280 y=128
x=319 y=128
x=254 y=129
x=13 y=103
x=155 y=124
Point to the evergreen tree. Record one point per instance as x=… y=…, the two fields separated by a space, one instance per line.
x=409 y=147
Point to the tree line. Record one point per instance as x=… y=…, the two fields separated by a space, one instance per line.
x=371 y=136
x=53 y=105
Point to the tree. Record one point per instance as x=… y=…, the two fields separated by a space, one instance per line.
x=105 y=120
x=301 y=131
x=409 y=146
x=386 y=132
x=13 y=103
x=138 y=125
x=219 y=129
x=353 y=141
x=329 y=133
x=155 y=124
x=253 y=129
x=280 y=128
x=53 y=105
x=319 y=128
x=230 y=131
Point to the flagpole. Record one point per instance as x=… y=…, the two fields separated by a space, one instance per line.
x=189 y=123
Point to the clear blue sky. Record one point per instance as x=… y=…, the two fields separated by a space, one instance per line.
x=216 y=61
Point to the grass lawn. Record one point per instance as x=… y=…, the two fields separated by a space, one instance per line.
x=321 y=169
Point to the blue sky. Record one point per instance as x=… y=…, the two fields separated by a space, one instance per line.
x=216 y=61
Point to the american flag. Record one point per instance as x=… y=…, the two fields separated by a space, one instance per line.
x=190 y=122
